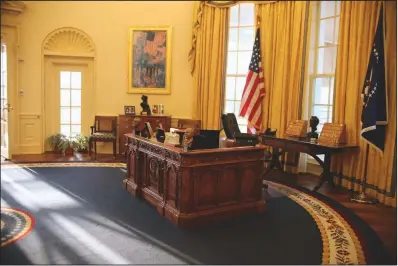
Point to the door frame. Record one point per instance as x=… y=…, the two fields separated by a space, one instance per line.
x=50 y=63
x=9 y=36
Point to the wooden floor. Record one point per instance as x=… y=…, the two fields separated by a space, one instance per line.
x=381 y=218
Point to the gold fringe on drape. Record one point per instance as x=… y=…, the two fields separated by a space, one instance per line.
x=209 y=65
x=355 y=41
x=282 y=30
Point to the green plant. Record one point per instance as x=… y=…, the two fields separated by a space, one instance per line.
x=65 y=143
x=80 y=143
x=54 y=140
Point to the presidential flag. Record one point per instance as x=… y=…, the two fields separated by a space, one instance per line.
x=374 y=110
x=253 y=93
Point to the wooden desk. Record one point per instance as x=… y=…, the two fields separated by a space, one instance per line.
x=195 y=187
x=313 y=149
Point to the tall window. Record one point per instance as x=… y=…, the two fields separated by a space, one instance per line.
x=240 y=46
x=71 y=94
x=326 y=26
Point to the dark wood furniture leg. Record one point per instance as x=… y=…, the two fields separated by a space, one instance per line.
x=274 y=163
x=95 y=148
x=326 y=175
x=114 y=149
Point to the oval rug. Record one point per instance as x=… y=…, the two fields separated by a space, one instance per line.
x=298 y=227
x=15 y=224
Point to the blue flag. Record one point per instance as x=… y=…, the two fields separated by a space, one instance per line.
x=374 y=111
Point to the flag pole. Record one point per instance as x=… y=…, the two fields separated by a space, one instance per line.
x=362 y=197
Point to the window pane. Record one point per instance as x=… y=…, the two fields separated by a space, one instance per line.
x=233 y=21
x=326 y=60
x=246 y=39
x=243 y=62
x=76 y=130
x=76 y=115
x=65 y=129
x=321 y=91
x=240 y=86
x=336 y=31
x=243 y=128
x=229 y=107
x=237 y=108
x=233 y=39
x=241 y=120
x=76 y=97
x=337 y=7
x=246 y=15
x=330 y=114
x=76 y=78
x=65 y=97
x=327 y=9
x=65 y=79
x=232 y=63
x=65 y=115
x=230 y=88
x=321 y=112
x=326 y=32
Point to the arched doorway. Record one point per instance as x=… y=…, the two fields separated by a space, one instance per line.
x=69 y=66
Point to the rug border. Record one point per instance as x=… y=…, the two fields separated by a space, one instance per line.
x=353 y=220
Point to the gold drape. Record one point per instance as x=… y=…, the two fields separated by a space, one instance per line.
x=209 y=65
x=355 y=41
x=282 y=27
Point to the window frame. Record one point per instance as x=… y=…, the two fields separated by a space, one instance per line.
x=314 y=75
x=70 y=106
x=237 y=50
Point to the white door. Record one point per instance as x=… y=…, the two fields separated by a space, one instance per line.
x=8 y=86
x=5 y=105
x=69 y=98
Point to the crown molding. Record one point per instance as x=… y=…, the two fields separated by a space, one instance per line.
x=13 y=7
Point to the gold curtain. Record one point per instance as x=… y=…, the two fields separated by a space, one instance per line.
x=355 y=41
x=282 y=26
x=207 y=58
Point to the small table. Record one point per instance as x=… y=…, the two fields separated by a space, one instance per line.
x=302 y=145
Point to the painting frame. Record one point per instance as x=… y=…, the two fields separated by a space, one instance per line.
x=138 y=69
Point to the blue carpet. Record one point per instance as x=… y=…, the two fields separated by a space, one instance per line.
x=85 y=216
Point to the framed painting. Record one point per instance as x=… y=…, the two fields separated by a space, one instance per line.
x=149 y=60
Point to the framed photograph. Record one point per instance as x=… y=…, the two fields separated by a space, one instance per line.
x=129 y=110
x=149 y=60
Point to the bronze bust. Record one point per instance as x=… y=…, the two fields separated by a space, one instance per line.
x=145 y=105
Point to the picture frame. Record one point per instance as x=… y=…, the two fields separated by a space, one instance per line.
x=129 y=110
x=149 y=63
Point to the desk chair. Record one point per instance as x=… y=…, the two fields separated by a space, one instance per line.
x=104 y=130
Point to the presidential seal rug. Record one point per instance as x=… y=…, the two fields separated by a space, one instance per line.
x=83 y=215
x=15 y=224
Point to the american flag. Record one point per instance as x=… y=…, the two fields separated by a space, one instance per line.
x=250 y=105
x=374 y=110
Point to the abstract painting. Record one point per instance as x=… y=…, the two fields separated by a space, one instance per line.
x=149 y=60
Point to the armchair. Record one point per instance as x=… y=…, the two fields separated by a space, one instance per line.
x=103 y=130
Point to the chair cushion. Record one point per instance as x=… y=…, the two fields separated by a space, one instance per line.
x=103 y=136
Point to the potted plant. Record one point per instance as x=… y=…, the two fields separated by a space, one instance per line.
x=54 y=140
x=80 y=143
x=65 y=145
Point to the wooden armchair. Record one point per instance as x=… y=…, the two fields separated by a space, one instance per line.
x=188 y=123
x=104 y=130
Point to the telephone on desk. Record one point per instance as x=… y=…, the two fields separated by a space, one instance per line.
x=270 y=132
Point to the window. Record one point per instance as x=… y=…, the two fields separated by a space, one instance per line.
x=71 y=91
x=240 y=45
x=325 y=29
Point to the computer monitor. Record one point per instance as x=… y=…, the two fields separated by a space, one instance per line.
x=230 y=125
x=207 y=139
